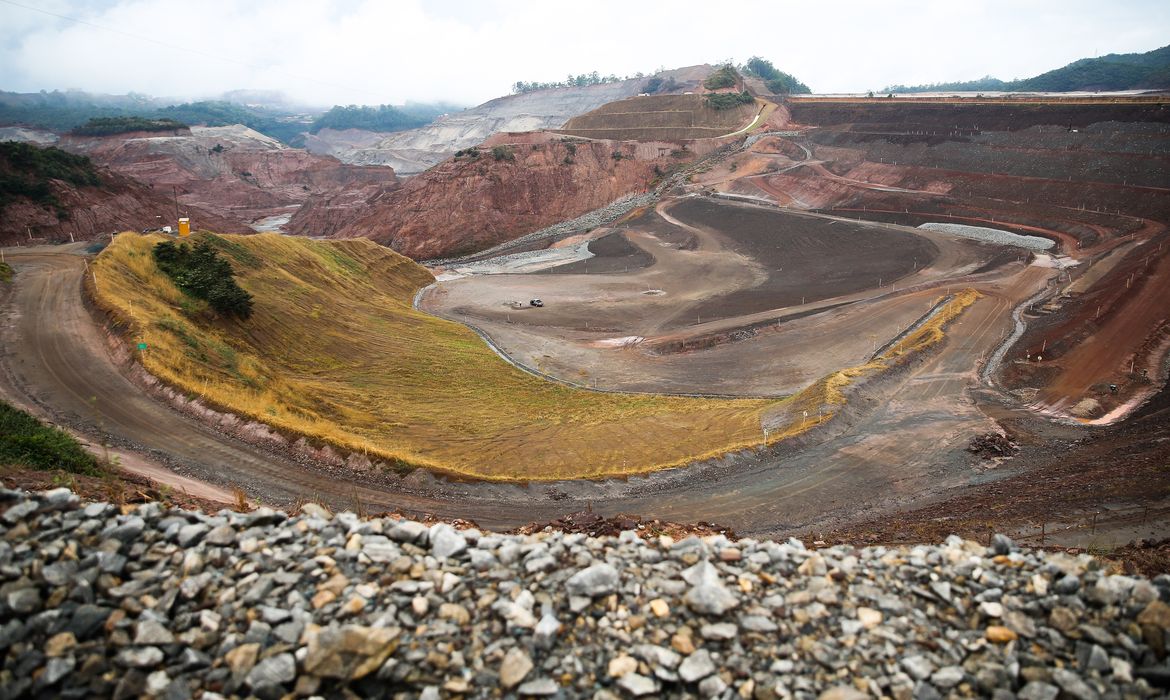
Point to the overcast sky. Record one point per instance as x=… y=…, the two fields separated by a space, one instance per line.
x=469 y=51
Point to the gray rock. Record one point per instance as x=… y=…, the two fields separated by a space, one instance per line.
x=1037 y=690
x=757 y=623
x=24 y=601
x=710 y=599
x=57 y=668
x=712 y=686
x=57 y=499
x=919 y=667
x=128 y=531
x=139 y=657
x=1001 y=544
x=221 y=536
x=409 y=531
x=1072 y=684
x=703 y=572
x=60 y=573
x=597 y=580
x=696 y=666
x=20 y=511
x=722 y=630
x=657 y=656
x=446 y=542
x=637 y=685
x=1092 y=657
x=191 y=534
x=151 y=633
x=539 y=687
x=275 y=670
x=545 y=632
x=87 y=619
x=947 y=677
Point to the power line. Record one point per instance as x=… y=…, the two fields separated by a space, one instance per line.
x=195 y=52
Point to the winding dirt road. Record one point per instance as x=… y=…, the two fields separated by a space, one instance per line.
x=54 y=359
x=887 y=453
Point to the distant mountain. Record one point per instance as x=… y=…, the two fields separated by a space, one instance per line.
x=62 y=111
x=266 y=111
x=1129 y=71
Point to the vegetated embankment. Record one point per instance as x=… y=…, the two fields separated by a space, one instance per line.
x=334 y=352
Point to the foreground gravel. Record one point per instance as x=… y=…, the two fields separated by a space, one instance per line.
x=99 y=601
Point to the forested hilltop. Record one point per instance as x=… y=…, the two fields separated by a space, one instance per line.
x=1130 y=71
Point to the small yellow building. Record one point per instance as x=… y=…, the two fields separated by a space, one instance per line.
x=184 y=226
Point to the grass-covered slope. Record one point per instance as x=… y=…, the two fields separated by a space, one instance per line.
x=335 y=351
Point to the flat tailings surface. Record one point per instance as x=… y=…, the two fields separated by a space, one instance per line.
x=612 y=252
x=806 y=259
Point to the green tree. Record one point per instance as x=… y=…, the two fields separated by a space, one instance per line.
x=201 y=273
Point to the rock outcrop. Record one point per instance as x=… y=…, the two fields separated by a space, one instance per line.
x=232 y=170
x=146 y=601
x=510 y=186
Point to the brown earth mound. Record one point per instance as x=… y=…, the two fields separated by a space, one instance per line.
x=498 y=192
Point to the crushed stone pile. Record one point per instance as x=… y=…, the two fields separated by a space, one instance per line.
x=991 y=235
x=146 y=601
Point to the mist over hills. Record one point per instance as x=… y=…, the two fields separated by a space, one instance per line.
x=269 y=112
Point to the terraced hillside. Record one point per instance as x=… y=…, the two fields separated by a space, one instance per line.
x=660 y=118
x=335 y=351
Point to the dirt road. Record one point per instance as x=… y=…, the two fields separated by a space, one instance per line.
x=54 y=357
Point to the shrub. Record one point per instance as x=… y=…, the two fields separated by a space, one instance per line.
x=201 y=273
x=728 y=100
x=725 y=77
x=25 y=441
x=503 y=153
x=777 y=81
x=104 y=126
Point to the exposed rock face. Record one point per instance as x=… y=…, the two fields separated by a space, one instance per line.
x=416 y=150
x=118 y=204
x=231 y=170
x=470 y=203
x=22 y=134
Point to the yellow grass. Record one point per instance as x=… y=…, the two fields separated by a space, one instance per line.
x=335 y=352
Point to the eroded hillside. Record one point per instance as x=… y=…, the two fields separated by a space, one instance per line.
x=232 y=171
x=510 y=186
x=52 y=196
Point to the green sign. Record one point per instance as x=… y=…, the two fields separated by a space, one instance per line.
x=142 y=346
